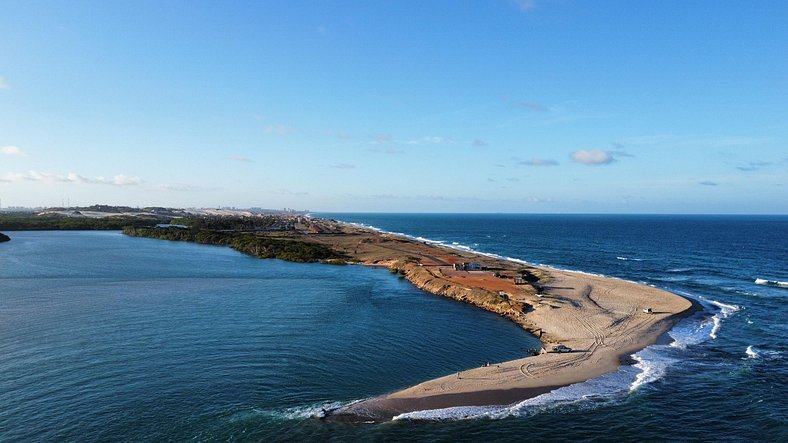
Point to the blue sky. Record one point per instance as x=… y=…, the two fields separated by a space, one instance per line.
x=423 y=106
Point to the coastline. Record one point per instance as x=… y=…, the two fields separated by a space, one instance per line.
x=601 y=319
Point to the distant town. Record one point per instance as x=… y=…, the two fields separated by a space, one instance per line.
x=99 y=211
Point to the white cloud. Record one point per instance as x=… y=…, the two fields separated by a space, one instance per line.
x=71 y=177
x=12 y=150
x=122 y=180
x=592 y=157
x=4 y=83
x=428 y=140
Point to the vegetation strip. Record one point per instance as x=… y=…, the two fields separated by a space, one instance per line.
x=261 y=247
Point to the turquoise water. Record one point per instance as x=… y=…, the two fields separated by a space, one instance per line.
x=109 y=338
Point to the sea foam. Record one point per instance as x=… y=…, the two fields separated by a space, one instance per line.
x=775 y=283
x=725 y=311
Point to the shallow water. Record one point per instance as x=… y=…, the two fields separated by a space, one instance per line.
x=104 y=337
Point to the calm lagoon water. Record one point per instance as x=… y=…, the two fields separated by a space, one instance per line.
x=109 y=338
x=106 y=337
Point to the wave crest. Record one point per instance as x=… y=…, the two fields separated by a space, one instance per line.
x=774 y=283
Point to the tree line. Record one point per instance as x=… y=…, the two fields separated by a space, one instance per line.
x=262 y=247
x=33 y=222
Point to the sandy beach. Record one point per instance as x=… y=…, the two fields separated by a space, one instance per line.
x=602 y=320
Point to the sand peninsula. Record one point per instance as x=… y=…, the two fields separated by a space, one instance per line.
x=601 y=319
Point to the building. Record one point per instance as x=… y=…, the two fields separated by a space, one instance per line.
x=470 y=266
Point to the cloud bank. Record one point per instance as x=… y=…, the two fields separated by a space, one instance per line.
x=48 y=177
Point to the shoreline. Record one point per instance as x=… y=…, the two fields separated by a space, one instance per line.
x=587 y=324
x=521 y=379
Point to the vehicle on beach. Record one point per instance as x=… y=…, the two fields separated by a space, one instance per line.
x=561 y=348
x=647 y=311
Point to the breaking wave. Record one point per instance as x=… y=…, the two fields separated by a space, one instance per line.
x=724 y=312
x=588 y=394
x=759 y=353
x=775 y=283
x=652 y=363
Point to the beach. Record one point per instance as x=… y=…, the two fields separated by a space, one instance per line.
x=600 y=320
x=250 y=349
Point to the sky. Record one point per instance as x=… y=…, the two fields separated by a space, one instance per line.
x=397 y=106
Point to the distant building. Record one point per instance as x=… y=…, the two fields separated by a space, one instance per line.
x=470 y=266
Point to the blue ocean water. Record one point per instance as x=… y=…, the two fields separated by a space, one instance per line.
x=110 y=338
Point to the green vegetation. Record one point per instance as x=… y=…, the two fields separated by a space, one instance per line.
x=237 y=223
x=26 y=221
x=4 y=237
x=262 y=247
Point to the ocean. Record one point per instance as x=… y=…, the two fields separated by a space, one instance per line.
x=109 y=338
